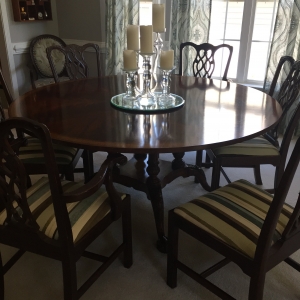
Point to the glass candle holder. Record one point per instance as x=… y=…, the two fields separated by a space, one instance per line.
x=130 y=98
x=166 y=99
x=146 y=99
x=158 y=45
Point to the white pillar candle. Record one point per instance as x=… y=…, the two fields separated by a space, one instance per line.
x=167 y=59
x=133 y=37
x=129 y=57
x=146 y=39
x=158 y=17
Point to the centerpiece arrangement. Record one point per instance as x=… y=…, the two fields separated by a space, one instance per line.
x=140 y=42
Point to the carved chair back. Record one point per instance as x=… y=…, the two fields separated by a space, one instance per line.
x=40 y=65
x=287 y=95
x=204 y=61
x=19 y=219
x=75 y=63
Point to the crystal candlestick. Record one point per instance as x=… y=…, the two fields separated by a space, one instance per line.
x=146 y=99
x=158 y=44
x=130 y=98
x=166 y=99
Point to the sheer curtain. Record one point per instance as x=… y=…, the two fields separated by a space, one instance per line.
x=285 y=41
x=118 y=15
x=190 y=20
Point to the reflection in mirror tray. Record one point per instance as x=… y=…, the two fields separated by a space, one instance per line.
x=134 y=106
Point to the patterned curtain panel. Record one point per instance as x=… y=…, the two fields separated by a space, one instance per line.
x=285 y=41
x=119 y=14
x=190 y=23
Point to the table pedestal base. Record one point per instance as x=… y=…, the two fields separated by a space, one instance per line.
x=151 y=176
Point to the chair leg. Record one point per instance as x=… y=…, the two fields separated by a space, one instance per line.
x=198 y=161
x=127 y=234
x=69 y=279
x=216 y=173
x=69 y=176
x=256 y=289
x=257 y=175
x=2 y=279
x=172 y=251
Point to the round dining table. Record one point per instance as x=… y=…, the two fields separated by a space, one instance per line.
x=215 y=113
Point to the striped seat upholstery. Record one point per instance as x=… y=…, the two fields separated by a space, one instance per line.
x=83 y=215
x=234 y=214
x=258 y=146
x=33 y=153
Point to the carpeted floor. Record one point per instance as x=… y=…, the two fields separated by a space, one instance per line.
x=39 y=278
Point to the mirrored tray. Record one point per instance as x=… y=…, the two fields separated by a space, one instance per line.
x=117 y=102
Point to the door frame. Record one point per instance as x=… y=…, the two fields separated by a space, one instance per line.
x=6 y=51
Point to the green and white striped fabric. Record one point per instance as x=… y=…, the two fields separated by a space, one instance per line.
x=234 y=214
x=83 y=215
x=256 y=146
x=33 y=153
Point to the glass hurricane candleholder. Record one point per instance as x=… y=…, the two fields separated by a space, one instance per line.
x=146 y=99
x=130 y=98
x=166 y=99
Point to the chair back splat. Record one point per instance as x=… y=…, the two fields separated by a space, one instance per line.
x=75 y=64
x=204 y=61
x=243 y=223
x=57 y=218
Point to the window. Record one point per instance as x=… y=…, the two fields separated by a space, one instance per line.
x=248 y=27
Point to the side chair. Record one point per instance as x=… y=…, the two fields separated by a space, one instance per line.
x=75 y=63
x=40 y=71
x=245 y=224
x=56 y=218
x=260 y=150
x=76 y=68
x=204 y=65
x=31 y=152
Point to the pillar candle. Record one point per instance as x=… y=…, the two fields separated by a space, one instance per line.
x=167 y=59
x=129 y=57
x=133 y=37
x=158 y=17
x=146 y=39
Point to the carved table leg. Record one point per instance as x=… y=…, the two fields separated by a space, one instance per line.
x=178 y=162
x=155 y=193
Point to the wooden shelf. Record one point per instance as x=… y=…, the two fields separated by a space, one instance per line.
x=32 y=10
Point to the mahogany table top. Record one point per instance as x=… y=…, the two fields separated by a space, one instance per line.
x=215 y=112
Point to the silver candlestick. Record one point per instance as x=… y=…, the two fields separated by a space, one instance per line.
x=158 y=45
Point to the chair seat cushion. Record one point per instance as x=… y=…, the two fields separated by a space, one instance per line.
x=46 y=81
x=33 y=153
x=258 y=146
x=234 y=214
x=83 y=215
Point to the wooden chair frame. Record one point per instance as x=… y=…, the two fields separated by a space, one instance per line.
x=35 y=72
x=22 y=231
x=267 y=255
x=287 y=95
x=75 y=64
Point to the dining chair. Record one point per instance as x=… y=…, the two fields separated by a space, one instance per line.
x=75 y=63
x=76 y=68
x=31 y=152
x=56 y=218
x=258 y=151
x=245 y=224
x=203 y=65
x=40 y=71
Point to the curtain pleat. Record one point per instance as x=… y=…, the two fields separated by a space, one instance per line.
x=286 y=38
x=190 y=21
x=118 y=15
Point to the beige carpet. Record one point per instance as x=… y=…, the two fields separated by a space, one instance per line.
x=35 y=277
